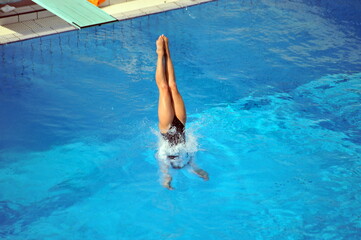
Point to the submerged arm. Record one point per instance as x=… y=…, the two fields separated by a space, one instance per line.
x=166 y=177
x=198 y=171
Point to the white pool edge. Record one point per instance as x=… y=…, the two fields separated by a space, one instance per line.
x=125 y=10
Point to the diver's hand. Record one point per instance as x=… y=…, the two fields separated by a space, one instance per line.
x=203 y=174
x=167 y=181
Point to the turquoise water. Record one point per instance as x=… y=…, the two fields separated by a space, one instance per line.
x=273 y=94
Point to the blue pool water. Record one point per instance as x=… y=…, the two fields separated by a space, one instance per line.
x=273 y=94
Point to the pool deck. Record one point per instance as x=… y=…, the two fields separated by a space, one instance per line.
x=34 y=21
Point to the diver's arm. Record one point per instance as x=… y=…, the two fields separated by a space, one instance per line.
x=166 y=177
x=196 y=170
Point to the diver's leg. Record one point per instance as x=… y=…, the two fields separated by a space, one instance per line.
x=178 y=103
x=165 y=105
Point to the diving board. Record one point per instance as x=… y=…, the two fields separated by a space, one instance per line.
x=79 y=13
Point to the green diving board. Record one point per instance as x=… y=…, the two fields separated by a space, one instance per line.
x=79 y=13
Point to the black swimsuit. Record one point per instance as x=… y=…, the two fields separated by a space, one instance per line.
x=175 y=135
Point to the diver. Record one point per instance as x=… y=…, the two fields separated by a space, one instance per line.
x=172 y=115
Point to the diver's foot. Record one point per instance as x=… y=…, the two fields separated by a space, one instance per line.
x=166 y=183
x=160 y=46
x=166 y=44
x=203 y=174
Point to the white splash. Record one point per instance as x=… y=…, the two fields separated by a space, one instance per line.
x=185 y=151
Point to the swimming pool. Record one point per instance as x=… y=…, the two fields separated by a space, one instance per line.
x=273 y=98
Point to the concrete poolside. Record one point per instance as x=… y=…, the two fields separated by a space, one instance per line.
x=34 y=21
